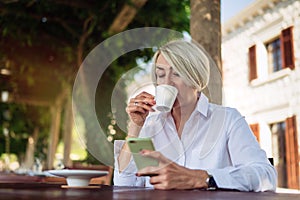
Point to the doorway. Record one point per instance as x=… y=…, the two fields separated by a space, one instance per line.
x=279 y=152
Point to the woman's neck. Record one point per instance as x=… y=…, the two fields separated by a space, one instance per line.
x=182 y=113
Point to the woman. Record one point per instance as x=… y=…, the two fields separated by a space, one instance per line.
x=198 y=144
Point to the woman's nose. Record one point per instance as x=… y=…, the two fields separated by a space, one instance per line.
x=168 y=80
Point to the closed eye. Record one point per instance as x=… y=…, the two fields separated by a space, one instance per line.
x=160 y=72
x=176 y=74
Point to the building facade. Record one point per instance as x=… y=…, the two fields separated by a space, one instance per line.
x=261 y=78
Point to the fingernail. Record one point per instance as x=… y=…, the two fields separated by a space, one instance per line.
x=141 y=151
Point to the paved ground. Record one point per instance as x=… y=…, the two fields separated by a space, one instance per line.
x=285 y=190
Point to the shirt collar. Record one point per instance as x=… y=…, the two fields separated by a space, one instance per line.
x=202 y=105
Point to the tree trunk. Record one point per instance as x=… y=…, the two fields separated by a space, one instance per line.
x=54 y=133
x=29 y=156
x=67 y=130
x=205 y=28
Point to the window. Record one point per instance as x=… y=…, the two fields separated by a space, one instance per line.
x=285 y=152
x=274 y=55
x=279 y=152
x=279 y=55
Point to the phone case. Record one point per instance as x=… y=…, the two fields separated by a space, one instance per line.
x=138 y=144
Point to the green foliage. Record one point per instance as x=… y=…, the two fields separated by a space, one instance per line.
x=171 y=14
x=20 y=121
x=47 y=34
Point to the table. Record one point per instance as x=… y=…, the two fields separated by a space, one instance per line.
x=26 y=178
x=41 y=191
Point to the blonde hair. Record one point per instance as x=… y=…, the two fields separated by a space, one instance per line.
x=188 y=59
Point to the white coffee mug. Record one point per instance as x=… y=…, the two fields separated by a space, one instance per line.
x=165 y=96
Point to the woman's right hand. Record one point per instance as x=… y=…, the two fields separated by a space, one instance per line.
x=139 y=107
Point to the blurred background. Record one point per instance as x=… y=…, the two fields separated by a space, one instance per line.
x=43 y=44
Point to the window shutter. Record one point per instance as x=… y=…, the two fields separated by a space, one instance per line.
x=292 y=157
x=255 y=130
x=252 y=63
x=287 y=48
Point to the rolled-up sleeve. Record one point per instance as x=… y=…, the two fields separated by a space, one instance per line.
x=257 y=178
x=127 y=177
x=251 y=170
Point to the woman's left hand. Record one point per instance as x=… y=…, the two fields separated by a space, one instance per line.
x=169 y=175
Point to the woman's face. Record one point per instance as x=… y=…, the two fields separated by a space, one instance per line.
x=166 y=75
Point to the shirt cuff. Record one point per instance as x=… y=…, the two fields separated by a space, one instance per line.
x=222 y=178
x=127 y=177
x=131 y=168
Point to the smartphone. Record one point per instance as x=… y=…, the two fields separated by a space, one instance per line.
x=138 y=144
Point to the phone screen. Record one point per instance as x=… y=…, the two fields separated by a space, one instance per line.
x=138 y=144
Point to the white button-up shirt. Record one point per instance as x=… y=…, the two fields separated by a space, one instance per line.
x=215 y=138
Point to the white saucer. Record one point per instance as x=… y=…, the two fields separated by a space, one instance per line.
x=78 y=177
